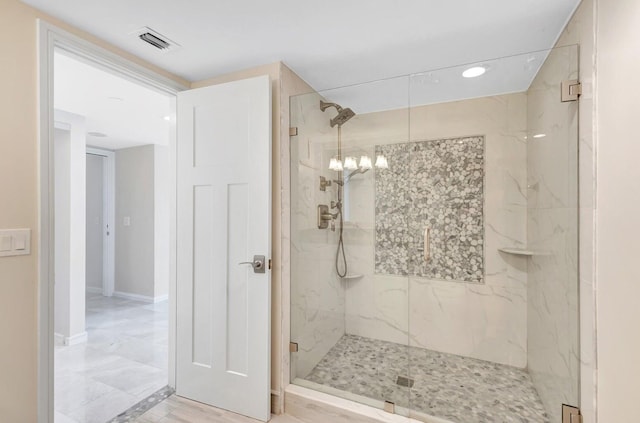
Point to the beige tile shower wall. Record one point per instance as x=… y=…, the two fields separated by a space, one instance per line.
x=484 y=321
x=317 y=294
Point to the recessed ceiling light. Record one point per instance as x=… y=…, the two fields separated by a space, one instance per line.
x=474 y=72
x=539 y=135
x=167 y=118
x=97 y=134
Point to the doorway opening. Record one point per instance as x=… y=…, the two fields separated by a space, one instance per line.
x=234 y=114
x=112 y=203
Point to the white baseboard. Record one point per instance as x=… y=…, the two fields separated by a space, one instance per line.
x=138 y=297
x=94 y=290
x=60 y=339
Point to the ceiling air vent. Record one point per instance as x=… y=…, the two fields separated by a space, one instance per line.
x=155 y=39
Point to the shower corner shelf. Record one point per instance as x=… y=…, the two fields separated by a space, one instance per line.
x=352 y=277
x=522 y=251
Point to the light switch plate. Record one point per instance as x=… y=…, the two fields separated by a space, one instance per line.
x=18 y=242
x=5 y=243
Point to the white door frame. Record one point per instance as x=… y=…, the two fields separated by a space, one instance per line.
x=108 y=213
x=51 y=38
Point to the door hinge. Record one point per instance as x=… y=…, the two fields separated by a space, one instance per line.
x=269 y=264
x=389 y=407
x=293 y=347
x=293 y=131
x=570 y=90
x=571 y=414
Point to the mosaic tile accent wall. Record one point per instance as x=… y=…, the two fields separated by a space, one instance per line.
x=439 y=184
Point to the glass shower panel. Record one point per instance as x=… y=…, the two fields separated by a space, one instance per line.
x=492 y=232
x=552 y=234
x=348 y=308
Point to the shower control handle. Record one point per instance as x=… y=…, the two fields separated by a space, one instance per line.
x=258 y=264
x=426 y=244
x=426 y=249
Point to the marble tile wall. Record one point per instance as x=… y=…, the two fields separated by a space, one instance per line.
x=484 y=321
x=317 y=294
x=552 y=228
x=436 y=184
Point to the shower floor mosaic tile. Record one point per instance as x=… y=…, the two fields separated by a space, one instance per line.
x=459 y=389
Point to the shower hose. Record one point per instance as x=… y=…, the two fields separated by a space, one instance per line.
x=340 y=250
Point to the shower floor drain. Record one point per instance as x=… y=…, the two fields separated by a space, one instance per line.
x=405 y=382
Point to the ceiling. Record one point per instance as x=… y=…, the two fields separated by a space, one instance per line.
x=126 y=113
x=329 y=43
x=511 y=74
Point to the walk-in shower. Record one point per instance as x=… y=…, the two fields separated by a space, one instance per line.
x=448 y=288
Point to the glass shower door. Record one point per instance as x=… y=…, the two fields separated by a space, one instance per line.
x=434 y=242
x=493 y=317
x=348 y=313
x=552 y=233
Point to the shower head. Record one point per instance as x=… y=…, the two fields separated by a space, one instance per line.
x=342 y=116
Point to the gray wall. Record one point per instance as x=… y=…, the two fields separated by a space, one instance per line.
x=135 y=199
x=142 y=195
x=95 y=221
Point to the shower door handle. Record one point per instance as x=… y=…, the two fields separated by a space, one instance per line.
x=427 y=236
x=258 y=264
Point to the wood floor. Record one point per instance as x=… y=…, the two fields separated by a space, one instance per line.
x=179 y=410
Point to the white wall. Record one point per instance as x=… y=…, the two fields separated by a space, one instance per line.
x=62 y=229
x=95 y=222
x=70 y=229
x=485 y=321
x=134 y=256
x=617 y=209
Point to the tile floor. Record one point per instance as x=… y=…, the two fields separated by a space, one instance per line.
x=459 y=389
x=123 y=361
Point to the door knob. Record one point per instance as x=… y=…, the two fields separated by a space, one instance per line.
x=258 y=264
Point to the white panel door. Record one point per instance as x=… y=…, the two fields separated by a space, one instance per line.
x=223 y=219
